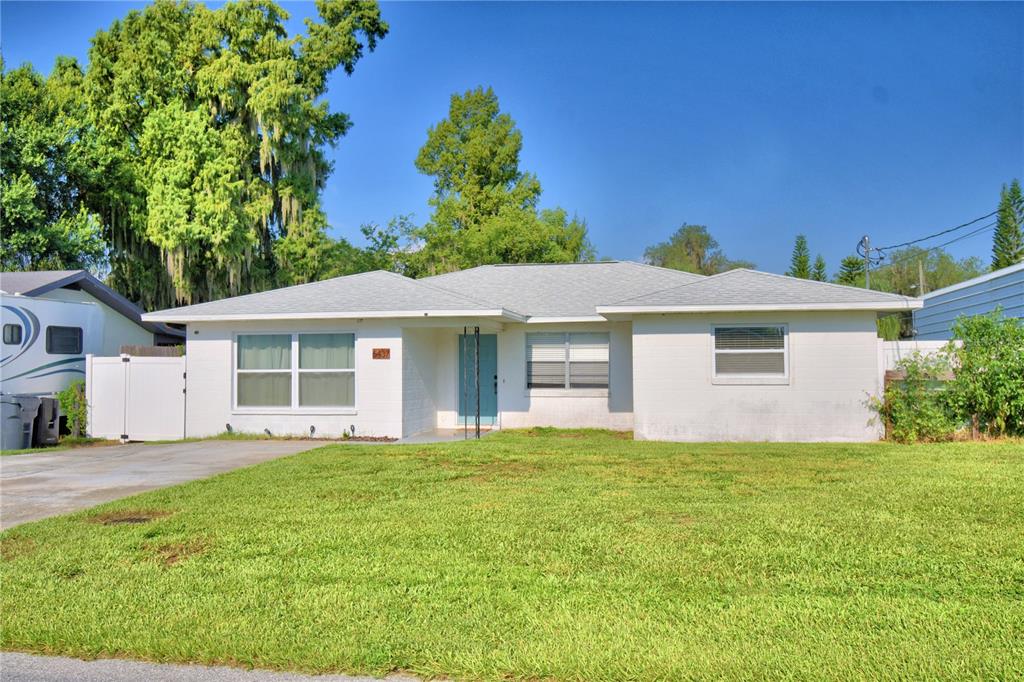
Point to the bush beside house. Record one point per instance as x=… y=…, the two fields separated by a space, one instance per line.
x=975 y=386
x=73 y=405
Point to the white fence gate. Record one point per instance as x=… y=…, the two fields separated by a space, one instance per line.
x=135 y=398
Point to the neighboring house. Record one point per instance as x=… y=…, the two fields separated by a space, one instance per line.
x=52 y=319
x=743 y=355
x=1003 y=288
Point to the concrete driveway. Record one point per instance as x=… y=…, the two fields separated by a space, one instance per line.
x=39 y=485
x=28 y=668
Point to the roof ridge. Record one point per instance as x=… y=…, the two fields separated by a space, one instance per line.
x=664 y=269
x=445 y=290
x=761 y=272
x=830 y=284
x=703 y=278
x=456 y=272
x=578 y=262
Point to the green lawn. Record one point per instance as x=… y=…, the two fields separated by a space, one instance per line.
x=553 y=555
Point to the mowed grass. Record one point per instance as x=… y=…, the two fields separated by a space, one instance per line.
x=551 y=555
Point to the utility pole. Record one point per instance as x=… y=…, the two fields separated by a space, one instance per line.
x=865 y=243
x=920 y=277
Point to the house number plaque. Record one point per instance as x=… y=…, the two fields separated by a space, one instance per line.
x=381 y=353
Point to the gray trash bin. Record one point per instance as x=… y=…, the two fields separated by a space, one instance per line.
x=47 y=426
x=19 y=416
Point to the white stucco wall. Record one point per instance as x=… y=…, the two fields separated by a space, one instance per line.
x=117 y=329
x=419 y=408
x=521 y=407
x=209 y=401
x=833 y=367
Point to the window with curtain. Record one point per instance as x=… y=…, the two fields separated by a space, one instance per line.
x=751 y=351
x=327 y=376
x=321 y=373
x=567 y=360
x=264 y=370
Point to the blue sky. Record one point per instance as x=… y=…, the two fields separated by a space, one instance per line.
x=758 y=120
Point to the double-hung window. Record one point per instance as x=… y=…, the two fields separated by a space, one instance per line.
x=567 y=360
x=295 y=370
x=327 y=375
x=751 y=352
x=264 y=377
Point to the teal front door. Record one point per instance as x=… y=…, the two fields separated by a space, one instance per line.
x=488 y=379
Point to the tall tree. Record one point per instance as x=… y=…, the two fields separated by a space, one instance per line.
x=1008 y=240
x=484 y=206
x=45 y=174
x=818 y=272
x=212 y=133
x=851 y=272
x=691 y=248
x=800 y=261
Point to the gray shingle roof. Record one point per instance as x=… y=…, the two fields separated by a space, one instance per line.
x=562 y=290
x=753 y=289
x=369 y=292
x=519 y=292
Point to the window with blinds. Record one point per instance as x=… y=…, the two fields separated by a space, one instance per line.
x=567 y=360
x=751 y=351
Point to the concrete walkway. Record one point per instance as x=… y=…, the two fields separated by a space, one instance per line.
x=39 y=485
x=28 y=668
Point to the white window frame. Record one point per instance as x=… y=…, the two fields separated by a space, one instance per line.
x=565 y=390
x=750 y=379
x=294 y=370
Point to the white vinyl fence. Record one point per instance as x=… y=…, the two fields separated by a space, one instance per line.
x=135 y=398
x=894 y=351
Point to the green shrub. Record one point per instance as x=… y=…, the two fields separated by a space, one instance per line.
x=988 y=389
x=889 y=327
x=915 y=408
x=74 y=407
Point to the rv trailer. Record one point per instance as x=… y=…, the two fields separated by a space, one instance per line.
x=43 y=350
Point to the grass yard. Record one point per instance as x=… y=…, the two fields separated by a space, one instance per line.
x=550 y=555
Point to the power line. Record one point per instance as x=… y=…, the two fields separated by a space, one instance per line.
x=972 y=233
x=937 y=234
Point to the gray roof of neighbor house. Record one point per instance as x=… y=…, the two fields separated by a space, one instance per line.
x=40 y=282
x=561 y=290
x=744 y=289
x=368 y=294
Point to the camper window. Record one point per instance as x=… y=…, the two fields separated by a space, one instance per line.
x=63 y=340
x=12 y=334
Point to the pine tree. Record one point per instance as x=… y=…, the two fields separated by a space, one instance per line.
x=1008 y=241
x=818 y=273
x=851 y=271
x=800 y=262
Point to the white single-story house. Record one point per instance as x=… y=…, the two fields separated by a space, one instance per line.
x=742 y=355
x=1003 y=289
